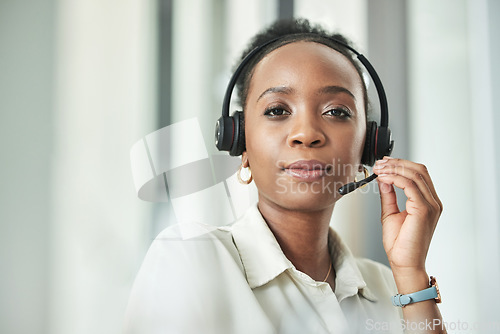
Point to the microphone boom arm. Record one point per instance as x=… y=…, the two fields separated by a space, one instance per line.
x=350 y=187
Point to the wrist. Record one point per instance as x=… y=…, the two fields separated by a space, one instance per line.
x=410 y=280
x=424 y=295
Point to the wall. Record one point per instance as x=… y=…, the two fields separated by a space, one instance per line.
x=452 y=117
x=26 y=142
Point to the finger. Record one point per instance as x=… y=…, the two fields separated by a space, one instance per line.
x=389 y=207
x=388 y=199
x=422 y=169
x=416 y=177
x=413 y=171
x=416 y=202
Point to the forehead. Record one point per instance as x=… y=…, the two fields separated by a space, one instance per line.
x=306 y=59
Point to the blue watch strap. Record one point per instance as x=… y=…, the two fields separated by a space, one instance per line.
x=426 y=294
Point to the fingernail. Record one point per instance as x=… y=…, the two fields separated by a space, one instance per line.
x=378 y=166
x=381 y=161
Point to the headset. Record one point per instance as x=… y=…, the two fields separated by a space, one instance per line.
x=230 y=130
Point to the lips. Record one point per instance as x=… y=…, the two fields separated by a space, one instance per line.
x=307 y=170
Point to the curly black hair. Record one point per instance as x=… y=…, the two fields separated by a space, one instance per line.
x=289 y=31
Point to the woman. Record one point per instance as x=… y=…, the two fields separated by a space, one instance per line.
x=281 y=268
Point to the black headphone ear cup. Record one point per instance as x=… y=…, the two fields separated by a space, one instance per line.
x=384 y=143
x=224 y=133
x=238 y=146
x=368 y=157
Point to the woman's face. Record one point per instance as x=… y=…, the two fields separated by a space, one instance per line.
x=304 y=125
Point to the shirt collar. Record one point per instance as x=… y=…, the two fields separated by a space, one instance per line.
x=349 y=280
x=260 y=253
x=264 y=260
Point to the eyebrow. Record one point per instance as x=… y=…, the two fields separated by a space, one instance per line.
x=279 y=89
x=336 y=90
x=324 y=90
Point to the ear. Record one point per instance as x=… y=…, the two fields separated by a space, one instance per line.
x=244 y=160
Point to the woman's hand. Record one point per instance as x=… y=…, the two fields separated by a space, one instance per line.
x=407 y=234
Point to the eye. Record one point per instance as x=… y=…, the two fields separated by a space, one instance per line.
x=339 y=112
x=276 y=112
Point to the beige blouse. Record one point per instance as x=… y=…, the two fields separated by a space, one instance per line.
x=235 y=279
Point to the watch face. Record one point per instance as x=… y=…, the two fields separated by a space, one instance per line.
x=433 y=283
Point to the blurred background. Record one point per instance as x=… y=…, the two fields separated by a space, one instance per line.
x=81 y=81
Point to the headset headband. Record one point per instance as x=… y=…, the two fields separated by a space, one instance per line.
x=230 y=130
x=384 y=111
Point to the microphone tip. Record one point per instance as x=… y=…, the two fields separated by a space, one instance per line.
x=347 y=188
x=350 y=187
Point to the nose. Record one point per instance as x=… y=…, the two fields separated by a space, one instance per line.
x=306 y=131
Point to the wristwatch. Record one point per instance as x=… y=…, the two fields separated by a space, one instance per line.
x=430 y=293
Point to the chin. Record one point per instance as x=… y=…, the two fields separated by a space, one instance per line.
x=296 y=195
x=305 y=201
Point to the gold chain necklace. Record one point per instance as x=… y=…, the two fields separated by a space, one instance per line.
x=328 y=275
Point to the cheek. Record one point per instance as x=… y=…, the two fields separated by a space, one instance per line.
x=263 y=149
x=261 y=143
x=349 y=150
x=350 y=140
x=359 y=140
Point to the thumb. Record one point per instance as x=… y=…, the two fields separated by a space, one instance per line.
x=388 y=199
